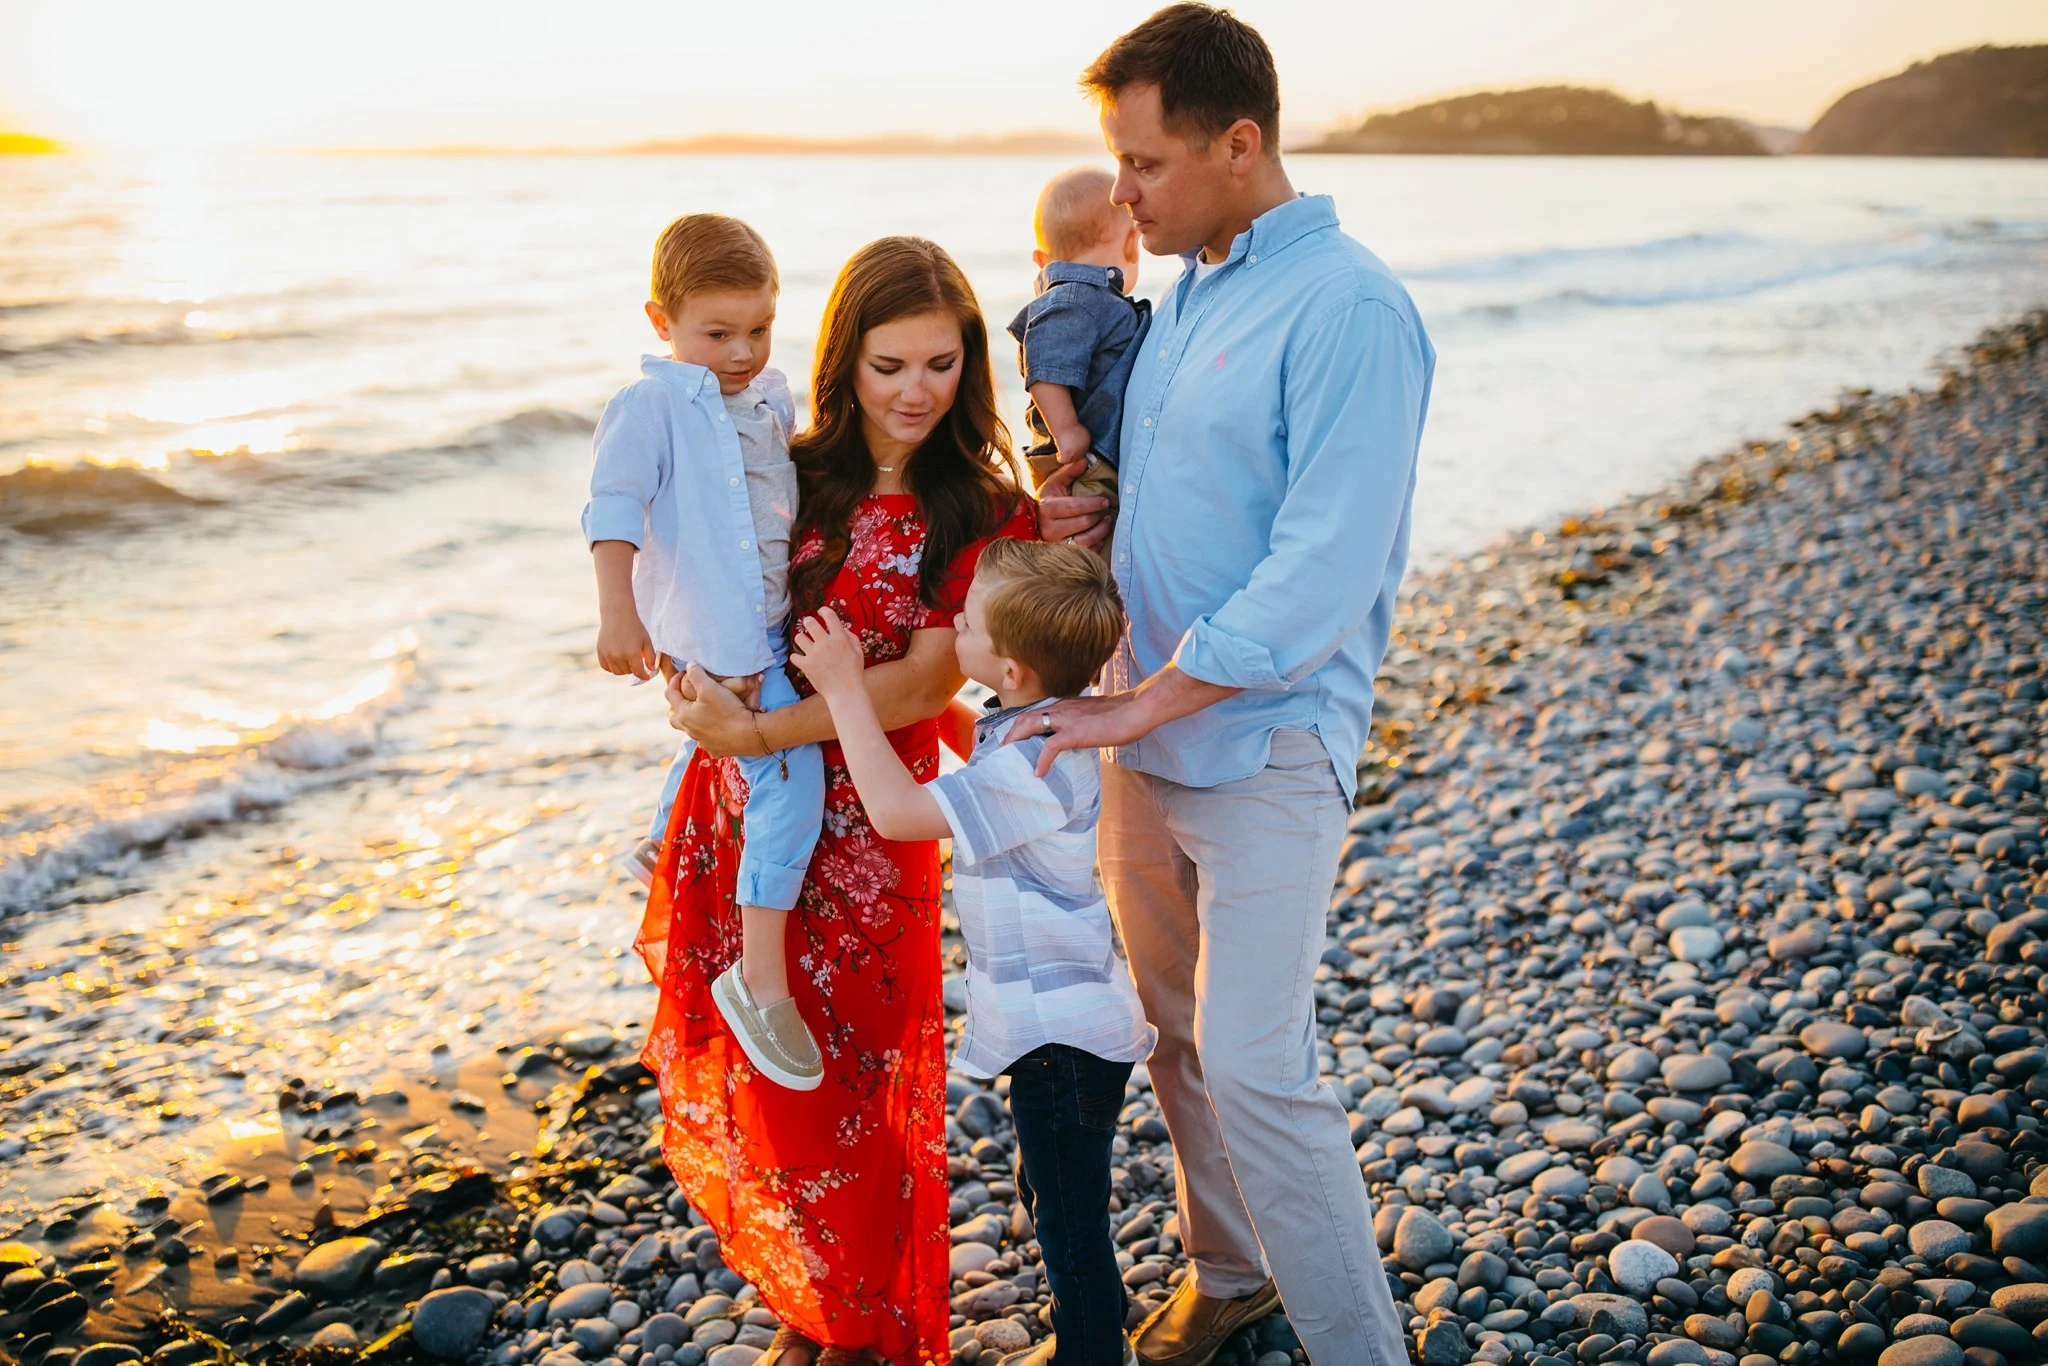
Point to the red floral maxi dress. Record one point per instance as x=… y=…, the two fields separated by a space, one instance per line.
x=834 y=1201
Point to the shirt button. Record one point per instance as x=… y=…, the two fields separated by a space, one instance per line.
x=1148 y=422
x=732 y=483
x=721 y=417
x=1251 y=260
x=1122 y=558
x=746 y=545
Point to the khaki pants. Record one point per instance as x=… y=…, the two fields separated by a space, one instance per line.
x=1222 y=896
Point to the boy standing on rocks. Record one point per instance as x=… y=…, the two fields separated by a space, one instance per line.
x=1266 y=472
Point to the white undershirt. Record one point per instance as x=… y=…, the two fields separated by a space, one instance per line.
x=1203 y=268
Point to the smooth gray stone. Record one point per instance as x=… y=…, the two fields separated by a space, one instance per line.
x=664 y=1330
x=2026 y=1302
x=1929 y=1349
x=452 y=1323
x=585 y=1301
x=1834 y=1039
x=2019 y=1230
x=1637 y=1266
x=1937 y=1240
x=1522 y=1167
x=1420 y=1239
x=1760 y=1160
x=337 y=1268
x=1696 y=1071
x=1938 y=1183
x=1677 y=1352
x=1631 y=1318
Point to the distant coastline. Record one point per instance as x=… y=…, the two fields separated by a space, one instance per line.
x=1033 y=142
x=1550 y=120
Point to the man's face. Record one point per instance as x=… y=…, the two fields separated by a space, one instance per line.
x=1176 y=194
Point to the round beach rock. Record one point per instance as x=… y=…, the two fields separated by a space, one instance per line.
x=1834 y=1039
x=1937 y=1240
x=579 y=1302
x=451 y=1323
x=1695 y=1071
x=1629 y=1318
x=1929 y=1349
x=1638 y=1264
x=1420 y=1239
x=1747 y=1281
x=2019 y=1230
x=1759 y=1160
x=1668 y=1233
x=338 y=1267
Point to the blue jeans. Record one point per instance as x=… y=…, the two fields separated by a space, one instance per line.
x=1065 y=1103
x=782 y=813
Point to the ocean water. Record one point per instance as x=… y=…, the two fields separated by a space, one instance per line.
x=304 y=764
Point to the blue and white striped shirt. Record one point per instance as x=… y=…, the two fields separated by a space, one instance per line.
x=1042 y=965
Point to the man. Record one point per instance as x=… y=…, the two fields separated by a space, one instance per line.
x=1268 y=466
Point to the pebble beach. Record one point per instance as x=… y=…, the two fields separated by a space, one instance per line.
x=1684 y=988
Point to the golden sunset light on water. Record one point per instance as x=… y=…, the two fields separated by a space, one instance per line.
x=1568 y=722
x=532 y=74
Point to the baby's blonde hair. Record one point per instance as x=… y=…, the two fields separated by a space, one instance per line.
x=1074 y=212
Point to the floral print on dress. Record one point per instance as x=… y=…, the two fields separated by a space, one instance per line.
x=833 y=1202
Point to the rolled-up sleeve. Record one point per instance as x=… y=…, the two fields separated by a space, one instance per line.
x=1059 y=332
x=629 y=452
x=1352 y=404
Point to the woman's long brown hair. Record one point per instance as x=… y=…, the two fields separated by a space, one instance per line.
x=962 y=475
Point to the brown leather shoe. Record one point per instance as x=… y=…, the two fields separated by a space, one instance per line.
x=1191 y=1328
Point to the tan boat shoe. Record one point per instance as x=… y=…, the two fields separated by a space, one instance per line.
x=1191 y=1328
x=775 y=1040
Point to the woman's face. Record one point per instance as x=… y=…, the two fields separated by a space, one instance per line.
x=906 y=378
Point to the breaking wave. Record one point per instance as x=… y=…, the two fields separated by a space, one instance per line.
x=46 y=848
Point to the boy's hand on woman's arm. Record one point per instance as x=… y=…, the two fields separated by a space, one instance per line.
x=828 y=653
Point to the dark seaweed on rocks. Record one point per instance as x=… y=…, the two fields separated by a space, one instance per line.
x=1684 y=988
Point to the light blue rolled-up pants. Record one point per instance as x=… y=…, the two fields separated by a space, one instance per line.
x=784 y=808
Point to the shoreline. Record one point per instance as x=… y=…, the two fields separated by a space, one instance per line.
x=1612 y=869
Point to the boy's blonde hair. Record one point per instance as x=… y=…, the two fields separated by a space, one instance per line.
x=1053 y=608
x=1074 y=212
x=708 y=251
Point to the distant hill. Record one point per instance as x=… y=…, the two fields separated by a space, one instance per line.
x=27 y=144
x=1983 y=102
x=882 y=144
x=1561 y=120
x=769 y=144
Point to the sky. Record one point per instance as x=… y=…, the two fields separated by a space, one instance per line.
x=513 y=73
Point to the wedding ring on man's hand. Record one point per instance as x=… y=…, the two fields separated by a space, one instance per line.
x=1047 y=728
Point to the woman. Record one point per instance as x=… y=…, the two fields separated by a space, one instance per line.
x=834 y=1201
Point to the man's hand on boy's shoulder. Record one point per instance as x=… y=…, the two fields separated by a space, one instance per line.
x=828 y=652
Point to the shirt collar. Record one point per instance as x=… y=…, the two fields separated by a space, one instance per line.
x=994 y=715
x=678 y=374
x=1080 y=273
x=1276 y=229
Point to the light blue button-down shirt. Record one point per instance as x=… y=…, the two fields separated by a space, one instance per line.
x=1269 y=440
x=668 y=477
